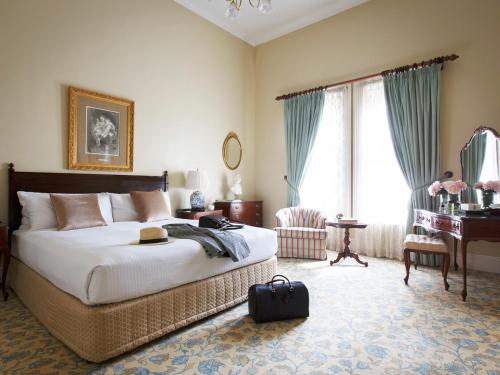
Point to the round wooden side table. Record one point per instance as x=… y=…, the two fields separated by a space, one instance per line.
x=347 y=252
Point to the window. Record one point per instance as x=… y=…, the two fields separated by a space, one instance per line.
x=381 y=192
x=327 y=180
x=353 y=167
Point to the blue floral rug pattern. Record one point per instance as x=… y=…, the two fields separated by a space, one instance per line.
x=363 y=321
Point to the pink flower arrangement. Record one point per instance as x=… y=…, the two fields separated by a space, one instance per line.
x=454 y=187
x=493 y=186
x=436 y=188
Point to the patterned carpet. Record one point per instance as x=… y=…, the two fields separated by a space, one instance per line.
x=363 y=321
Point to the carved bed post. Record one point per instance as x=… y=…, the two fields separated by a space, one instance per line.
x=165 y=181
x=11 y=209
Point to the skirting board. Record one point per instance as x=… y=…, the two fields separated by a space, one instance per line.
x=480 y=262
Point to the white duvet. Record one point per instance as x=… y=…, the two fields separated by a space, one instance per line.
x=102 y=265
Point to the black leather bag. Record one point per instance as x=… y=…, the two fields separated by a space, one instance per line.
x=217 y=222
x=278 y=299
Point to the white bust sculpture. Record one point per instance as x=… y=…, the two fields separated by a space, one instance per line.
x=236 y=187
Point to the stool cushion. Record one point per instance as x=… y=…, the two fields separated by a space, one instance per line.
x=425 y=243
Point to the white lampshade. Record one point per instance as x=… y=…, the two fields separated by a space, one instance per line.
x=197 y=180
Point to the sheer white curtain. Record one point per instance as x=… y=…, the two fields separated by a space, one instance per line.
x=380 y=191
x=353 y=170
x=327 y=181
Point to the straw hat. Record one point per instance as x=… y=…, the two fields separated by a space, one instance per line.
x=154 y=236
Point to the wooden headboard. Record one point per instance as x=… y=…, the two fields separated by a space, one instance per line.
x=76 y=183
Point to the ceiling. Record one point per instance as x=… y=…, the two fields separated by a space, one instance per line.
x=256 y=28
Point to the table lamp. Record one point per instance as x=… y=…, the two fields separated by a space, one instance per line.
x=197 y=181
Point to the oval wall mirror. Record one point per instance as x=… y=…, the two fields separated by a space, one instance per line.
x=232 y=151
x=480 y=159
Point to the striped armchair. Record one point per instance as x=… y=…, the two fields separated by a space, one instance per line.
x=301 y=233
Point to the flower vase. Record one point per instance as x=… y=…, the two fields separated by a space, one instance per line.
x=488 y=196
x=454 y=203
x=443 y=201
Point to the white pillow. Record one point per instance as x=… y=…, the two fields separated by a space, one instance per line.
x=105 y=206
x=38 y=212
x=25 y=223
x=124 y=209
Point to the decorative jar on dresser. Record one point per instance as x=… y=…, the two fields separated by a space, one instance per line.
x=246 y=212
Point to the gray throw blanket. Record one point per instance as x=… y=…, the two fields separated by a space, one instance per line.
x=216 y=243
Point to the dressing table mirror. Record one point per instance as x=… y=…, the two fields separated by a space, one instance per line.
x=480 y=161
x=232 y=151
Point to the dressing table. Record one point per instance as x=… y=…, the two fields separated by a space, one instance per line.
x=479 y=161
x=462 y=228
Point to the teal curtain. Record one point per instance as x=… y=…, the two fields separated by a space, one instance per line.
x=413 y=106
x=472 y=164
x=302 y=118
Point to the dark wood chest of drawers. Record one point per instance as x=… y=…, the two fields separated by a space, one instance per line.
x=246 y=212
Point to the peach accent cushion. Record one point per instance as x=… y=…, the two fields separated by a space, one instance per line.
x=150 y=205
x=76 y=211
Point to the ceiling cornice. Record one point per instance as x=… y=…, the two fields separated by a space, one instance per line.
x=284 y=27
x=304 y=21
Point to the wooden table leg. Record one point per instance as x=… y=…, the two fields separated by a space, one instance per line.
x=455 y=253
x=406 y=256
x=347 y=242
x=347 y=252
x=463 y=246
x=415 y=229
x=340 y=256
x=356 y=258
x=446 y=267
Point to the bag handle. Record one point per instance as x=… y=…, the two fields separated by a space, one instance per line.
x=290 y=287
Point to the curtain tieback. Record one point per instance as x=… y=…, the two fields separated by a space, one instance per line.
x=290 y=184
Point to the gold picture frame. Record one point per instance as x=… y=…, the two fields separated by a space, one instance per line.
x=101 y=132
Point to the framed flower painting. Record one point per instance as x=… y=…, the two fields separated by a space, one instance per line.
x=101 y=132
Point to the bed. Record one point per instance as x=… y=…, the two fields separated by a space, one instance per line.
x=101 y=294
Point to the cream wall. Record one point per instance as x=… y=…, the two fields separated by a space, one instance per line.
x=192 y=83
x=377 y=35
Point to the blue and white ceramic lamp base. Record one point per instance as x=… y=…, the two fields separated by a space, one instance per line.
x=197 y=201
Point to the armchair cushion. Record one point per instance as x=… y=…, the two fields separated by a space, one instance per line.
x=300 y=217
x=298 y=232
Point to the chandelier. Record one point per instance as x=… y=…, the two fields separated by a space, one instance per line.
x=233 y=9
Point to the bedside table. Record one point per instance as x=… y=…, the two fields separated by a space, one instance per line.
x=245 y=212
x=5 y=252
x=195 y=215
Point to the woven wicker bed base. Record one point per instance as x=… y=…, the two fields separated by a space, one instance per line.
x=97 y=333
